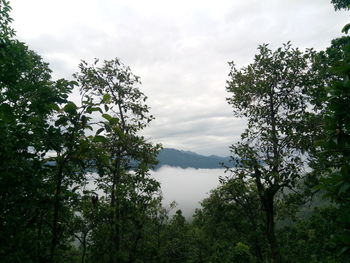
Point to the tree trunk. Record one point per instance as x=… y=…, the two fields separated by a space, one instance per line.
x=266 y=196
x=254 y=227
x=270 y=228
x=257 y=250
x=84 y=247
x=270 y=193
x=115 y=217
x=132 y=255
x=39 y=255
x=54 y=240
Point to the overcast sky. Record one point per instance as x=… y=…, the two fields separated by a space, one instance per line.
x=180 y=49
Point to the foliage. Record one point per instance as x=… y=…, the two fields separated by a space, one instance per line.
x=241 y=253
x=273 y=94
x=333 y=162
x=28 y=101
x=227 y=218
x=122 y=157
x=341 y=4
x=311 y=239
x=6 y=32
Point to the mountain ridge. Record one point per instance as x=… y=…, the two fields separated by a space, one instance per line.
x=188 y=159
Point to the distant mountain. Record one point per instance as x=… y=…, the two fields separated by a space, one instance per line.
x=187 y=159
x=183 y=159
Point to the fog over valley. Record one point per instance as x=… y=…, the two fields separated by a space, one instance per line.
x=187 y=187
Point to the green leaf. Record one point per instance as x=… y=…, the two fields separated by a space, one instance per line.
x=106 y=98
x=99 y=131
x=107 y=116
x=108 y=127
x=346 y=28
x=54 y=106
x=99 y=138
x=92 y=109
x=118 y=131
x=70 y=108
x=61 y=121
x=111 y=119
x=73 y=83
x=114 y=121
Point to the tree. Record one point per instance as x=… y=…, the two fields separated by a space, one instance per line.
x=333 y=156
x=46 y=153
x=341 y=4
x=176 y=244
x=29 y=99
x=273 y=94
x=310 y=239
x=123 y=158
x=231 y=215
x=70 y=148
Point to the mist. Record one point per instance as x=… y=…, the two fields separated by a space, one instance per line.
x=187 y=187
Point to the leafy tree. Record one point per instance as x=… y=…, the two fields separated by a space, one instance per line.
x=123 y=158
x=272 y=93
x=333 y=163
x=71 y=156
x=6 y=32
x=176 y=246
x=341 y=4
x=241 y=253
x=29 y=99
x=243 y=199
x=45 y=155
x=231 y=214
x=310 y=239
x=153 y=245
x=84 y=221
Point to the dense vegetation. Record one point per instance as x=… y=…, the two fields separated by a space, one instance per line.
x=286 y=200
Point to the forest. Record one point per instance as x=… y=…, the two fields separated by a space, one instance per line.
x=285 y=198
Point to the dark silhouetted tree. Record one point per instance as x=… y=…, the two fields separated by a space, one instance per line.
x=272 y=93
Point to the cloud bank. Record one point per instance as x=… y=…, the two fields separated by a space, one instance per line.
x=180 y=49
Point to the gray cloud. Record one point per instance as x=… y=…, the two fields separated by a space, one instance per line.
x=179 y=49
